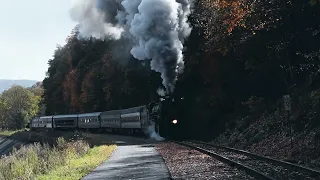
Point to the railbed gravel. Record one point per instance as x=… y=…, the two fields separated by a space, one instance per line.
x=274 y=170
x=186 y=163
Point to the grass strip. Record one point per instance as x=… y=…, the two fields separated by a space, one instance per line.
x=75 y=168
x=9 y=132
x=67 y=160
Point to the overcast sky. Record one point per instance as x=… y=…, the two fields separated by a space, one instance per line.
x=29 y=33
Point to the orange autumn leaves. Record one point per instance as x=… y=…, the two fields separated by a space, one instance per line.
x=70 y=90
x=235 y=11
x=238 y=10
x=240 y=13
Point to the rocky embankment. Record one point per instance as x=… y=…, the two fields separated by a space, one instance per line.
x=295 y=139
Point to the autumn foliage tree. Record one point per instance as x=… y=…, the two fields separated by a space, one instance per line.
x=244 y=48
x=90 y=75
x=238 y=50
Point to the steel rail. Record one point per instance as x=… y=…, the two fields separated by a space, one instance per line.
x=313 y=172
x=223 y=159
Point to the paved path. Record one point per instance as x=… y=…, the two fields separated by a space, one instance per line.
x=132 y=162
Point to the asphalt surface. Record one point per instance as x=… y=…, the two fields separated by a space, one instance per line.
x=138 y=160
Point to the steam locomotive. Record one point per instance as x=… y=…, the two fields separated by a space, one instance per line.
x=155 y=117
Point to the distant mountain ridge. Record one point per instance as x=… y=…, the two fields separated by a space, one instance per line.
x=6 y=84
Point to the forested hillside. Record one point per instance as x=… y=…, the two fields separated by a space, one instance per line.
x=241 y=57
x=86 y=76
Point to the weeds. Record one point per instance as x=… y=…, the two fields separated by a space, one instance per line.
x=9 y=132
x=35 y=160
x=76 y=168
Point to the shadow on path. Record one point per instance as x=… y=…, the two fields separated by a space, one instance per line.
x=132 y=162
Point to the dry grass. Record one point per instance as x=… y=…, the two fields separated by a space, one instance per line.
x=76 y=168
x=9 y=132
x=68 y=160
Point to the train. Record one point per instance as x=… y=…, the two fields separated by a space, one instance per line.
x=156 y=117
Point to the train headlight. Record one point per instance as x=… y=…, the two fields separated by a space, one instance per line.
x=174 y=121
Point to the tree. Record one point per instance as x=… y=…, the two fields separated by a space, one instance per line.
x=37 y=89
x=4 y=108
x=92 y=75
x=237 y=49
x=21 y=105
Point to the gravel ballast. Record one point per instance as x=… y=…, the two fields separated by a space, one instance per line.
x=186 y=163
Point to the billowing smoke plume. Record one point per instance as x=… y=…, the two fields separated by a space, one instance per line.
x=156 y=28
x=161 y=92
x=95 y=19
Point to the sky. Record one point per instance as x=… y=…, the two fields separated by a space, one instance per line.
x=29 y=33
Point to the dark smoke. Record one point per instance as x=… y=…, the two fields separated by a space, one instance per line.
x=156 y=28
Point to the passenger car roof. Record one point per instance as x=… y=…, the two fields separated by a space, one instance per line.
x=65 y=116
x=46 y=117
x=89 y=114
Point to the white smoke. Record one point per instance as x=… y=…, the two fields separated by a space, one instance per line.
x=156 y=28
x=152 y=133
x=161 y=92
x=92 y=20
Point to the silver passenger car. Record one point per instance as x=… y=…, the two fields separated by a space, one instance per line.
x=65 y=121
x=45 y=122
x=35 y=123
x=134 y=118
x=111 y=119
x=89 y=120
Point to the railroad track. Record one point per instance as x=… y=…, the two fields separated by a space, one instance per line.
x=257 y=166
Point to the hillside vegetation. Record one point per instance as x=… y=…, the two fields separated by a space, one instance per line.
x=241 y=58
x=18 y=105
